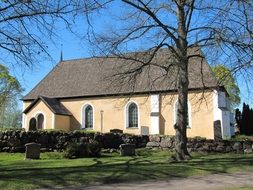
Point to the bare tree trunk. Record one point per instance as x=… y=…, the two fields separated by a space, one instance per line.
x=182 y=114
x=182 y=87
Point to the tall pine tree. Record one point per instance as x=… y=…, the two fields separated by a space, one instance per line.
x=244 y=120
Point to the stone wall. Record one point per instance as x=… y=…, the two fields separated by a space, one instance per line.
x=14 y=141
x=201 y=145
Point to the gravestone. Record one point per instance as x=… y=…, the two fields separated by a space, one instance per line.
x=217 y=130
x=237 y=147
x=32 y=151
x=127 y=149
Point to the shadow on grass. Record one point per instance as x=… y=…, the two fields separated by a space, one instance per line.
x=111 y=170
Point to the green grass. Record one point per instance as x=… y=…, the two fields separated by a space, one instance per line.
x=52 y=170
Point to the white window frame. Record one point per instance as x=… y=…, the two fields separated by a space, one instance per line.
x=126 y=116
x=83 y=119
x=189 y=114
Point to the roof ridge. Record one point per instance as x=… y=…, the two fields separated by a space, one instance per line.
x=111 y=56
x=84 y=58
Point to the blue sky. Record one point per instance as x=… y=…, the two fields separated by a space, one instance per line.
x=71 y=48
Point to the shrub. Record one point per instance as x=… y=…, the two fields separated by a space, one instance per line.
x=94 y=149
x=70 y=151
x=76 y=150
x=81 y=150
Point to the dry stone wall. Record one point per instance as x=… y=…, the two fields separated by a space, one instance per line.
x=201 y=145
x=14 y=141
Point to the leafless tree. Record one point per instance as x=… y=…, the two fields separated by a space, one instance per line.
x=222 y=29
x=26 y=26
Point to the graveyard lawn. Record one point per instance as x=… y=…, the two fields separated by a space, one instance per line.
x=53 y=171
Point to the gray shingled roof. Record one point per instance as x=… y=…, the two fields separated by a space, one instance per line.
x=101 y=76
x=53 y=104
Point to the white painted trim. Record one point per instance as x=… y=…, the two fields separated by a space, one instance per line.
x=155 y=108
x=189 y=114
x=126 y=115
x=154 y=121
x=155 y=104
x=217 y=112
x=35 y=115
x=221 y=113
x=53 y=121
x=24 y=118
x=83 y=116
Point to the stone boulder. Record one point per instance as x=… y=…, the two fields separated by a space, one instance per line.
x=127 y=149
x=221 y=148
x=1 y=135
x=43 y=140
x=166 y=142
x=154 y=138
x=153 y=145
x=247 y=146
x=14 y=142
x=237 y=147
x=3 y=143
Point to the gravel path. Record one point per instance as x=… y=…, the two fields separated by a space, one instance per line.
x=210 y=182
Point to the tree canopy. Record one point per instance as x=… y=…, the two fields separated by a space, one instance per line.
x=26 y=26
x=10 y=91
x=226 y=78
x=9 y=86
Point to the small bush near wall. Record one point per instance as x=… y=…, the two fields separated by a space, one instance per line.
x=76 y=150
x=94 y=149
x=81 y=150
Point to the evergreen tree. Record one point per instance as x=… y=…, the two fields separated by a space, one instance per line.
x=244 y=120
x=250 y=124
x=238 y=119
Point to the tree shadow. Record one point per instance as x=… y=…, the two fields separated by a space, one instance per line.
x=118 y=170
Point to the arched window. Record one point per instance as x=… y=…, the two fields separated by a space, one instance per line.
x=87 y=116
x=188 y=115
x=132 y=115
x=32 y=124
x=40 y=121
